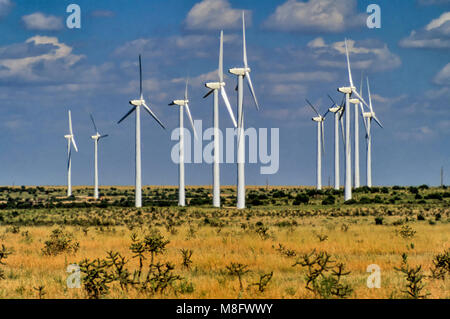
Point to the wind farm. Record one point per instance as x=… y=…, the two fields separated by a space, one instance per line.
x=160 y=209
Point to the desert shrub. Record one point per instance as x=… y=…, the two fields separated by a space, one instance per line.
x=59 y=242
x=187 y=255
x=350 y=202
x=406 y=232
x=4 y=253
x=285 y=251
x=301 y=199
x=413 y=190
x=420 y=217
x=329 y=200
x=263 y=232
x=441 y=265
x=379 y=220
x=437 y=196
x=323 y=276
x=264 y=280
x=414 y=279
x=424 y=186
x=238 y=270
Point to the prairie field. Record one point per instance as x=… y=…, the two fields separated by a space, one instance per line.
x=291 y=242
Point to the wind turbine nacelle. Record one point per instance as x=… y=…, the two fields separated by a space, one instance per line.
x=180 y=102
x=345 y=90
x=317 y=119
x=367 y=115
x=334 y=109
x=239 y=71
x=214 y=85
x=95 y=137
x=354 y=101
x=136 y=102
x=68 y=136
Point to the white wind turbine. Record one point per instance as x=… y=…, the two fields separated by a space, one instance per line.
x=357 y=182
x=241 y=73
x=338 y=112
x=70 y=141
x=319 y=119
x=348 y=91
x=369 y=116
x=97 y=137
x=183 y=104
x=215 y=87
x=137 y=104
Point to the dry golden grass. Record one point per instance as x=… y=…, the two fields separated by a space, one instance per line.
x=363 y=244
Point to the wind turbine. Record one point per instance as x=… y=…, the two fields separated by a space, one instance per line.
x=320 y=142
x=215 y=87
x=97 y=137
x=241 y=73
x=70 y=141
x=183 y=104
x=338 y=112
x=137 y=104
x=369 y=116
x=348 y=91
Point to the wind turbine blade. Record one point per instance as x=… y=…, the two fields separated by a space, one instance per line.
x=93 y=122
x=250 y=85
x=103 y=136
x=69 y=156
x=342 y=112
x=377 y=121
x=221 y=58
x=364 y=120
x=208 y=94
x=370 y=97
x=360 y=98
x=140 y=77
x=243 y=40
x=70 y=123
x=326 y=113
x=348 y=65
x=361 y=84
x=72 y=139
x=126 y=115
x=227 y=103
x=153 y=115
x=188 y=111
x=342 y=129
x=186 y=90
x=332 y=100
x=312 y=106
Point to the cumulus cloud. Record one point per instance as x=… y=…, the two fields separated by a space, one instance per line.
x=41 y=22
x=443 y=77
x=215 y=15
x=316 y=16
x=27 y=60
x=366 y=54
x=435 y=35
x=5 y=7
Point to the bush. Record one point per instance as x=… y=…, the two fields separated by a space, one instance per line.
x=350 y=202
x=60 y=242
x=378 y=220
x=301 y=199
x=330 y=200
x=420 y=217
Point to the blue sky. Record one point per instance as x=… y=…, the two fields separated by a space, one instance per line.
x=295 y=52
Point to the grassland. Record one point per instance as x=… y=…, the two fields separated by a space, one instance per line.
x=359 y=233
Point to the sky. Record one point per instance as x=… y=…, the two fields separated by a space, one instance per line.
x=295 y=51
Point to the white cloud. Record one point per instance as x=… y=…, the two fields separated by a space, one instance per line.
x=421 y=134
x=435 y=35
x=443 y=77
x=35 y=50
x=316 y=15
x=368 y=54
x=5 y=7
x=215 y=15
x=41 y=22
